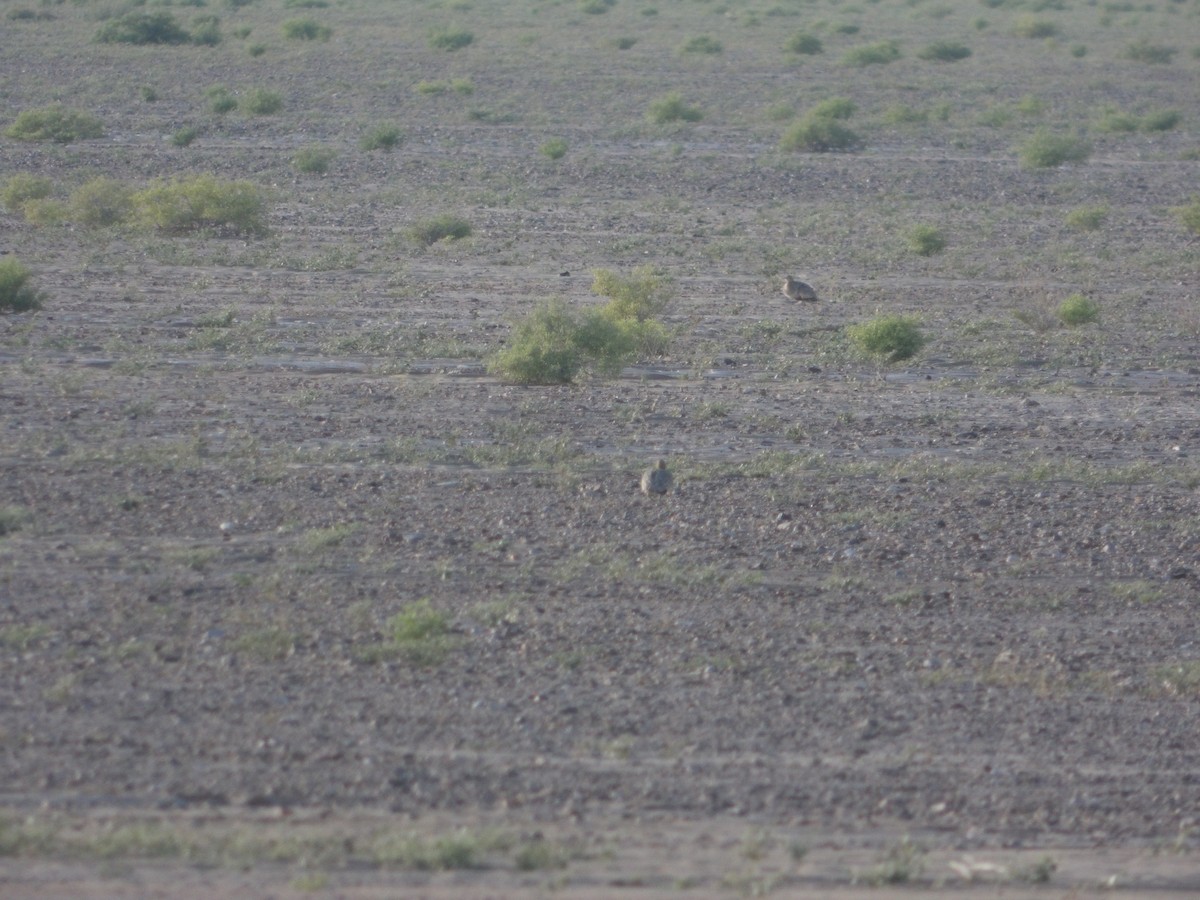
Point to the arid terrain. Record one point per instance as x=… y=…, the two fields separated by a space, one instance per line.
x=299 y=597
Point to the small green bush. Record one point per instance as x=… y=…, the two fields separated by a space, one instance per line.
x=555 y=148
x=143 y=28
x=819 y=134
x=1078 y=310
x=671 y=108
x=1045 y=150
x=701 y=44
x=256 y=49
x=202 y=202
x=440 y=228
x=1159 y=120
x=46 y=211
x=1145 y=52
x=450 y=38
x=1115 y=121
x=1087 y=218
x=305 y=4
x=944 y=51
x=902 y=114
x=55 y=123
x=877 y=54
x=1029 y=26
x=640 y=296
x=184 y=136
x=380 y=137
x=148 y=94
x=16 y=294
x=894 y=337
x=804 y=44
x=1190 y=215
x=102 y=202
x=596 y=7
x=306 y=30
x=22 y=187
x=926 y=240
x=834 y=108
x=220 y=99
x=261 y=102
x=206 y=31
x=553 y=344
x=313 y=160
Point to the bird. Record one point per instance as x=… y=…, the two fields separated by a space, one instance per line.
x=798 y=290
x=656 y=479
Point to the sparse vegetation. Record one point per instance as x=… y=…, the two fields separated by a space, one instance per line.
x=1078 y=310
x=306 y=30
x=102 y=202
x=701 y=44
x=220 y=99
x=22 y=187
x=55 y=123
x=944 y=51
x=184 y=136
x=893 y=337
x=1190 y=215
x=1087 y=218
x=821 y=129
x=877 y=54
x=17 y=294
x=440 y=228
x=671 y=108
x=137 y=27
x=380 y=137
x=200 y=202
x=555 y=148
x=554 y=343
x=926 y=240
x=450 y=38
x=261 y=102
x=804 y=44
x=1030 y=26
x=1144 y=51
x=1047 y=150
x=313 y=160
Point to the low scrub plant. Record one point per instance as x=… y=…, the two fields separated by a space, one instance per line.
x=821 y=129
x=555 y=148
x=261 y=102
x=1029 y=26
x=380 y=137
x=893 y=337
x=1190 y=215
x=198 y=202
x=220 y=99
x=206 y=31
x=877 y=54
x=102 y=202
x=1078 y=310
x=137 y=27
x=440 y=228
x=1144 y=51
x=1159 y=120
x=926 y=240
x=450 y=38
x=185 y=135
x=313 y=160
x=641 y=296
x=16 y=293
x=944 y=51
x=306 y=30
x=1087 y=218
x=701 y=44
x=554 y=343
x=22 y=187
x=1046 y=150
x=804 y=44
x=596 y=7
x=671 y=108
x=55 y=123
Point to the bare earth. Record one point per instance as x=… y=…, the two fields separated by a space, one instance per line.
x=948 y=604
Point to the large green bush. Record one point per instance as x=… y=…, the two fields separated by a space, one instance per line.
x=202 y=202
x=16 y=294
x=554 y=343
x=890 y=336
x=55 y=123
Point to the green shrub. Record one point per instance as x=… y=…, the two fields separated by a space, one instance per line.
x=313 y=160
x=944 y=51
x=1032 y=27
x=1087 y=218
x=554 y=343
x=16 y=294
x=894 y=337
x=220 y=99
x=555 y=148
x=450 y=38
x=876 y=54
x=804 y=44
x=819 y=134
x=256 y=49
x=1045 y=150
x=926 y=240
x=1145 y=52
x=206 y=31
x=22 y=187
x=671 y=108
x=184 y=136
x=641 y=296
x=261 y=102
x=1115 y=121
x=1159 y=120
x=148 y=94
x=45 y=211
x=440 y=228
x=902 y=114
x=834 y=108
x=1190 y=215
x=1078 y=310
x=701 y=44
x=143 y=28
x=305 y=4
x=596 y=7
x=55 y=123
x=625 y=42
x=102 y=202
x=202 y=202
x=306 y=30
x=380 y=137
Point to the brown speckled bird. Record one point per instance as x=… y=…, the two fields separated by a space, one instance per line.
x=656 y=479
x=798 y=290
